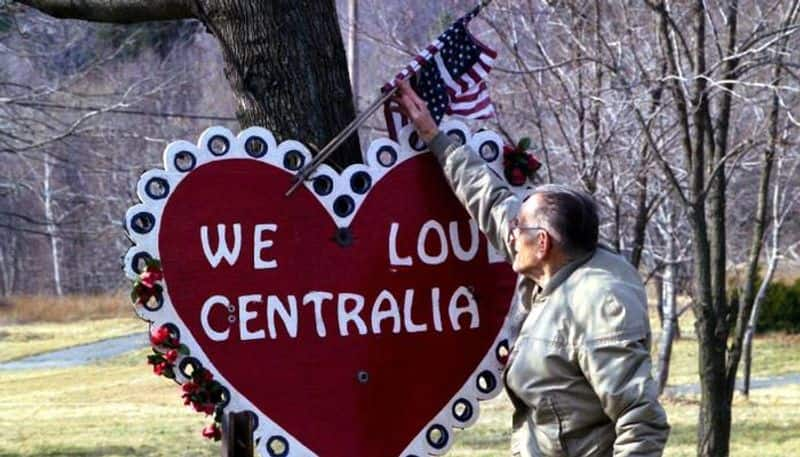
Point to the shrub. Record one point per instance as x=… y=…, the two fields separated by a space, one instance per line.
x=780 y=309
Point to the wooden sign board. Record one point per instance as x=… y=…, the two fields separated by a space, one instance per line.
x=361 y=316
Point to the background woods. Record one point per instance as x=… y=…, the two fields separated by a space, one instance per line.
x=681 y=117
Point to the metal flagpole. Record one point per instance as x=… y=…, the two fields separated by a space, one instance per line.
x=307 y=170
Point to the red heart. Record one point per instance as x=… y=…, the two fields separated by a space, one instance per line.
x=309 y=385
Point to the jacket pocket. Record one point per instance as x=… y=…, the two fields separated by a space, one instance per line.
x=550 y=428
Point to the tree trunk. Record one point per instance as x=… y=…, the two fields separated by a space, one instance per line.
x=352 y=47
x=286 y=64
x=751 y=323
x=52 y=231
x=670 y=320
x=772 y=255
x=658 y=284
x=284 y=60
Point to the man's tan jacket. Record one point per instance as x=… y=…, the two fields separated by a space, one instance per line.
x=579 y=372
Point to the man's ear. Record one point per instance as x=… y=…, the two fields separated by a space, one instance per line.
x=544 y=243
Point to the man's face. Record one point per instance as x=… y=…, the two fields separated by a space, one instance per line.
x=529 y=241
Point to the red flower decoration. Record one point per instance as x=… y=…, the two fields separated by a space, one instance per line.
x=146 y=285
x=517 y=177
x=518 y=165
x=171 y=356
x=160 y=368
x=212 y=432
x=149 y=278
x=161 y=336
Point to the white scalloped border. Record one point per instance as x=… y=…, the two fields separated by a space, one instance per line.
x=489 y=145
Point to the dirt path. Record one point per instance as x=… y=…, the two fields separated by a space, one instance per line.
x=80 y=355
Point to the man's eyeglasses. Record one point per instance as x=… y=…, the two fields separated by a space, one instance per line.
x=514 y=226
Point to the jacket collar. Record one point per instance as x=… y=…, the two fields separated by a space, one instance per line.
x=562 y=274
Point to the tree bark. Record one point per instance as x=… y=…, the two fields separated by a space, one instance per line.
x=352 y=47
x=118 y=11
x=287 y=67
x=284 y=60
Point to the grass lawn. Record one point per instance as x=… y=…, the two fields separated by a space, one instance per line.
x=119 y=408
x=21 y=340
x=773 y=353
x=34 y=324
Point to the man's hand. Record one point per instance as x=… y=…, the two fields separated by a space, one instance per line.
x=414 y=108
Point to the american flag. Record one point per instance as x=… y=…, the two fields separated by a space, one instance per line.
x=450 y=76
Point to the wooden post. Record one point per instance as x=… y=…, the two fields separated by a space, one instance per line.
x=237 y=435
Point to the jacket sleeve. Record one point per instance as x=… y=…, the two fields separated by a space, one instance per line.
x=486 y=197
x=617 y=365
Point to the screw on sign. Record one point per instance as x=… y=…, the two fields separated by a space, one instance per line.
x=301 y=318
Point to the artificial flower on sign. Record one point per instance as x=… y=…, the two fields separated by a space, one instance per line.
x=519 y=165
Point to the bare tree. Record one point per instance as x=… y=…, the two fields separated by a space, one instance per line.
x=784 y=199
x=285 y=61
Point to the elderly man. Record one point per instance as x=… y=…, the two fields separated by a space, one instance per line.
x=579 y=371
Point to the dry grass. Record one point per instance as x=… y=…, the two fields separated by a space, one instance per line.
x=23 y=340
x=70 y=308
x=34 y=324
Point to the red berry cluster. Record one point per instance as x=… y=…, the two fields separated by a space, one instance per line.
x=519 y=165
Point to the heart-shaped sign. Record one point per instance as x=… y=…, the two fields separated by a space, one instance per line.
x=361 y=316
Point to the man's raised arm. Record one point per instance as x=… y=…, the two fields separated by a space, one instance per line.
x=486 y=197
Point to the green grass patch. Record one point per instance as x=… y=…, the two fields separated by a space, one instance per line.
x=22 y=340
x=119 y=408
x=774 y=353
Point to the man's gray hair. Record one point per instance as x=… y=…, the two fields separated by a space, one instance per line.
x=569 y=215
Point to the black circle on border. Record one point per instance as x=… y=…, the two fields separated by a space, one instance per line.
x=224 y=150
x=415 y=143
x=301 y=160
x=391 y=152
x=346 y=200
x=173 y=330
x=468 y=410
x=442 y=442
x=257 y=140
x=226 y=396
x=159 y=303
x=151 y=219
x=139 y=256
x=186 y=361
x=164 y=183
x=253 y=419
x=494 y=148
x=501 y=345
x=462 y=138
x=491 y=381
x=184 y=153
x=365 y=182
x=281 y=439
x=320 y=181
